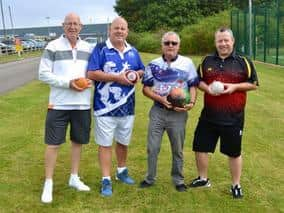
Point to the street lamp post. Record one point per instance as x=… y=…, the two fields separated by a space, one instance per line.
x=47 y=18
x=11 y=20
x=3 y=20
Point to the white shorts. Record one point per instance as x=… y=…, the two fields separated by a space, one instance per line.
x=118 y=128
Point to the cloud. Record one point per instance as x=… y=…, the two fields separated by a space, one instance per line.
x=33 y=13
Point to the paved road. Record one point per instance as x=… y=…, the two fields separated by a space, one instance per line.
x=18 y=73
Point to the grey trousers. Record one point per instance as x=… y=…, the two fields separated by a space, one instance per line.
x=174 y=124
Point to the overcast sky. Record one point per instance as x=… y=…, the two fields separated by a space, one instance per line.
x=40 y=13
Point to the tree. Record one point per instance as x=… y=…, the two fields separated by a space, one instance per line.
x=151 y=15
x=210 y=7
x=130 y=10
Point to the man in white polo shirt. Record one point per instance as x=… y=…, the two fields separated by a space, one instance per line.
x=63 y=62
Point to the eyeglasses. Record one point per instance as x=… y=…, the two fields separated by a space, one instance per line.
x=69 y=24
x=167 y=43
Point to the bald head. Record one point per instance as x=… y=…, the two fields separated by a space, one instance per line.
x=72 y=16
x=72 y=27
x=119 y=20
x=118 y=32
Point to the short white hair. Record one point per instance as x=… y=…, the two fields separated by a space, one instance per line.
x=169 y=34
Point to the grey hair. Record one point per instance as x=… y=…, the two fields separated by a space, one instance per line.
x=169 y=34
x=225 y=29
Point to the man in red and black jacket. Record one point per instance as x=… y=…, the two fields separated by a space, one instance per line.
x=225 y=77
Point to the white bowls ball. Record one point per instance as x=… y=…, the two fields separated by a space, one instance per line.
x=216 y=87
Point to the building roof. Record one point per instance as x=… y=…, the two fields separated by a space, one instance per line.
x=88 y=29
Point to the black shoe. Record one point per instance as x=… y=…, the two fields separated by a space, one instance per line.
x=181 y=188
x=197 y=182
x=236 y=191
x=145 y=184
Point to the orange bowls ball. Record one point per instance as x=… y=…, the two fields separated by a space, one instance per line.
x=82 y=83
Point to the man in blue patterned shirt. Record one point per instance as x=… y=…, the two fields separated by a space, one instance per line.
x=114 y=100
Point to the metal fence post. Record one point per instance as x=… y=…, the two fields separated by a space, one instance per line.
x=238 y=32
x=245 y=33
x=277 y=31
x=264 y=26
x=265 y=34
x=254 y=33
x=250 y=28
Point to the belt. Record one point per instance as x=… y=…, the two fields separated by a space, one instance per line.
x=164 y=107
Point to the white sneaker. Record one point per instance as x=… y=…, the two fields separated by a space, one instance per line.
x=46 y=196
x=78 y=184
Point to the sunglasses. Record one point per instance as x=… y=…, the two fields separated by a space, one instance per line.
x=167 y=43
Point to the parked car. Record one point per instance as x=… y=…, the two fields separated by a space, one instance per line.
x=41 y=43
x=36 y=44
x=7 y=46
x=26 y=46
x=3 y=48
x=91 y=40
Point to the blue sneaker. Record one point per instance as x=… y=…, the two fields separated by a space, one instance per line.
x=124 y=177
x=106 y=189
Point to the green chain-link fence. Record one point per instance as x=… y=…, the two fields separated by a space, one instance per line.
x=267 y=32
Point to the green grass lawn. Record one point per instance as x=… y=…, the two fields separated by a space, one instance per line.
x=22 y=114
x=14 y=57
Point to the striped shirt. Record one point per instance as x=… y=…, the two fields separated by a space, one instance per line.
x=60 y=63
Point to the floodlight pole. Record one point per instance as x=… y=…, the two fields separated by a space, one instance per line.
x=3 y=20
x=250 y=28
x=11 y=19
x=47 y=18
